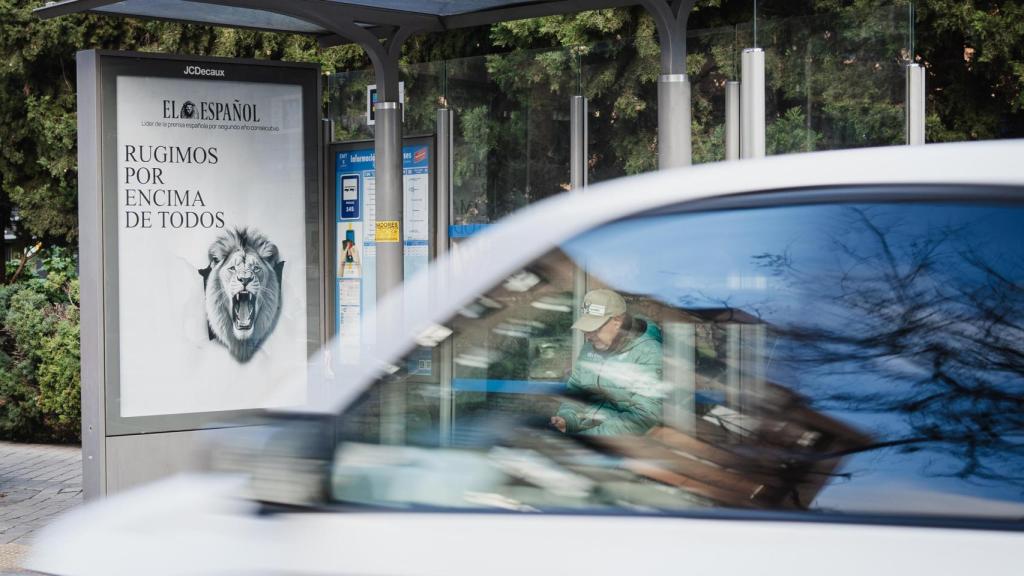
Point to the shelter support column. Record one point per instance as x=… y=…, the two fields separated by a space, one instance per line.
x=445 y=166
x=578 y=180
x=915 y=96
x=732 y=120
x=674 y=144
x=389 y=233
x=578 y=142
x=388 y=167
x=752 y=120
x=680 y=377
x=675 y=148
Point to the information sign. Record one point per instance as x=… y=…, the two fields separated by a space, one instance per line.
x=358 y=233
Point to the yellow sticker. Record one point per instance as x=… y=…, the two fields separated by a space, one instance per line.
x=387 y=231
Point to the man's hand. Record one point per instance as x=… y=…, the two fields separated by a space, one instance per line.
x=559 y=423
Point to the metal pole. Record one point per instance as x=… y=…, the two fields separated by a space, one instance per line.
x=752 y=368
x=732 y=120
x=445 y=135
x=674 y=145
x=674 y=140
x=388 y=148
x=733 y=366
x=678 y=409
x=327 y=230
x=390 y=254
x=578 y=142
x=915 y=104
x=93 y=287
x=578 y=180
x=752 y=122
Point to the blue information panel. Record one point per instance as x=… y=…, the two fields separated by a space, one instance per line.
x=356 y=248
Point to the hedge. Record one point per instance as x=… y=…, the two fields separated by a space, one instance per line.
x=39 y=352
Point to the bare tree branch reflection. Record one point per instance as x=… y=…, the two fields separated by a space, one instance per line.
x=926 y=327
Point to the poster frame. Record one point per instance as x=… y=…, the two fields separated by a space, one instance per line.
x=109 y=66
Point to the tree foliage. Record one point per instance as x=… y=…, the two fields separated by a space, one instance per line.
x=835 y=63
x=38 y=155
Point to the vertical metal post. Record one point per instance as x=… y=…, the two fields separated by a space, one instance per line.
x=445 y=135
x=327 y=230
x=678 y=408
x=674 y=139
x=733 y=366
x=388 y=149
x=752 y=368
x=578 y=180
x=752 y=93
x=390 y=251
x=674 y=144
x=915 y=95
x=732 y=120
x=90 y=251
x=578 y=142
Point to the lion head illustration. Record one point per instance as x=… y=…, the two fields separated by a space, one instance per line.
x=243 y=290
x=188 y=109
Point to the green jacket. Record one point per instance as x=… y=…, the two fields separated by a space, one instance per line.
x=616 y=392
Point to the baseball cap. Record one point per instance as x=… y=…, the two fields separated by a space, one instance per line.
x=598 y=307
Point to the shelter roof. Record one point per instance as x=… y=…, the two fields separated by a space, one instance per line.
x=317 y=17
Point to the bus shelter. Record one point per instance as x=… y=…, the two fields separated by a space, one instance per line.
x=380 y=27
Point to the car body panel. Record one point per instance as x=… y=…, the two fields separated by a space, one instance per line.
x=194 y=525
x=202 y=525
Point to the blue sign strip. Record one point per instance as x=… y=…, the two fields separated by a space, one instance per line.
x=552 y=388
x=465 y=230
x=539 y=387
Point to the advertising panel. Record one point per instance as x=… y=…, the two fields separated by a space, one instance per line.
x=211 y=239
x=212 y=204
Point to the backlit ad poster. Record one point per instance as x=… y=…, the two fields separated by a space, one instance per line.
x=211 y=203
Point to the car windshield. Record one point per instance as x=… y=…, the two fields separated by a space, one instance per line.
x=834 y=358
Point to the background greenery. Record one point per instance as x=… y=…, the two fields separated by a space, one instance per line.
x=39 y=343
x=833 y=76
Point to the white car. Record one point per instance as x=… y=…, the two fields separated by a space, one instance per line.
x=805 y=364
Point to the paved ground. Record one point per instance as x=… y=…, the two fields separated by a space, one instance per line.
x=37 y=483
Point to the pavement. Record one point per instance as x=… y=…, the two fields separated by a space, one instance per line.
x=37 y=483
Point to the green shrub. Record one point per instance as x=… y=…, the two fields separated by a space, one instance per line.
x=39 y=353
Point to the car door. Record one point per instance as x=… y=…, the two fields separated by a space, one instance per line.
x=806 y=381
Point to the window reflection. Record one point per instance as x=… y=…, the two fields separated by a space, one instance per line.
x=820 y=358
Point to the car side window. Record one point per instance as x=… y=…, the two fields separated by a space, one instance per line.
x=830 y=358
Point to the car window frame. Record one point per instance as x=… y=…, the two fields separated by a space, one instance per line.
x=952 y=193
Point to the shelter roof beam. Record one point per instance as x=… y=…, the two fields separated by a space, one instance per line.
x=671 y=18
x=535 y=10
x=346 y=21
x=65 y=7
x=330 y=14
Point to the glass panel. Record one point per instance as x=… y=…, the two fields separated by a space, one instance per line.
x=424 y=93
x=713 y=60
x=825 y=359
x=347 y=104
x=511 y=130
x=833 y=81
x=623 y=112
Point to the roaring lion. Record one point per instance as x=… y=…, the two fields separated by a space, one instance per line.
x=243 y=290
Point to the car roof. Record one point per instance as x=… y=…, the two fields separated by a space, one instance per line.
x=506 y=247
